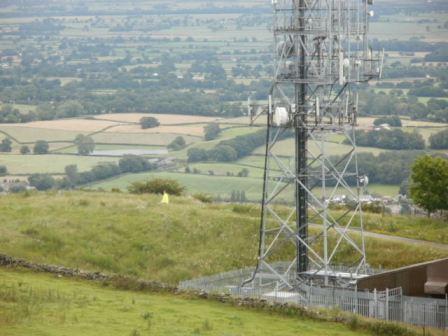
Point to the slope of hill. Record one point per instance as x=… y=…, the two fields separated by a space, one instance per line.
x=137 y=236
x=38 y=304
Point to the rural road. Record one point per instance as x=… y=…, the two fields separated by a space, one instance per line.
x=398 y=239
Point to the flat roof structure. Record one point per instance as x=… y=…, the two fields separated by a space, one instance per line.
x=424 y=279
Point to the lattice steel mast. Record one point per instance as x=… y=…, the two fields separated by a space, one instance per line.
x=322 y=52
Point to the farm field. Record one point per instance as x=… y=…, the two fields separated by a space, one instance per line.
x=118 y=133
x=71 y=149
x=95 y=68
x=165 y=119
x=41 y=304
x=219 y=186
x=286 y=148
x=48 y=164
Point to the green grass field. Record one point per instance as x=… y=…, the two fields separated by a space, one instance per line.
x=219 y=185
x=40 y=304
x=140 y=138
x=215 y=185
x=136 y=236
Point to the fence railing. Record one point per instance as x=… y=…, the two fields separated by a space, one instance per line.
x=389 y=305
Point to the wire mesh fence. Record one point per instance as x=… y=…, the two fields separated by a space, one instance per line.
x=388 y=305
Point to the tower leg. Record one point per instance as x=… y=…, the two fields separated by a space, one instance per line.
x=301 y=138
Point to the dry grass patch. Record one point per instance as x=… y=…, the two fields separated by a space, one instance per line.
x=83 y=125
x=165 y=119
x=196 y=130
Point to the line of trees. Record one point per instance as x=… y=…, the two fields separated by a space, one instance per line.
x=390 y=139
x=439 y=140
x=391 y=168
x=85 y=145
x=233 y=149
x=393 y=121
x=73 y=178
x=40 y=147
x=372 y=104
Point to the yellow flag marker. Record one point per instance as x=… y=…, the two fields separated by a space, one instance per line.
x=165 y=198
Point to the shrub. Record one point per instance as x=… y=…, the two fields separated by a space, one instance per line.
x=157 y=186
x=388 y=329
x=204 y=198
x=17 y=187
x=42 y=181
x=353 y=322
x=25 y=150
x=243 y=173
x=393 y=121
x=3 y=170
x=134 y=164
x=374 y=207
x=177 y=144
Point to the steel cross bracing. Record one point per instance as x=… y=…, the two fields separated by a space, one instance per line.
x=321 y=54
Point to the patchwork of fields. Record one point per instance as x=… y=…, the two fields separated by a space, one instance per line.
x=118 y=134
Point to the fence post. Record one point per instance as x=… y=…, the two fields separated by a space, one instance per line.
x=375 y=304
x=445 y=324
x=310 y=293
x=404 y=308
x=424 y=319
x=387 y=304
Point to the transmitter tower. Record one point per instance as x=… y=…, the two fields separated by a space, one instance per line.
x=322 y=54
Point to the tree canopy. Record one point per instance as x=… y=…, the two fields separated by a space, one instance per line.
x=41 y=147
x=439 y=140
x=149 y=122
x=429 y=187
x=85 y=144
x=177 y=144
x=211 y=131
x=6 y=145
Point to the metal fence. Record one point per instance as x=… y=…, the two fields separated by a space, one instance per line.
x=389 y=305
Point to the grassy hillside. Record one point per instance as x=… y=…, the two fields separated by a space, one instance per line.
x=137 y=236
x=37 y=304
